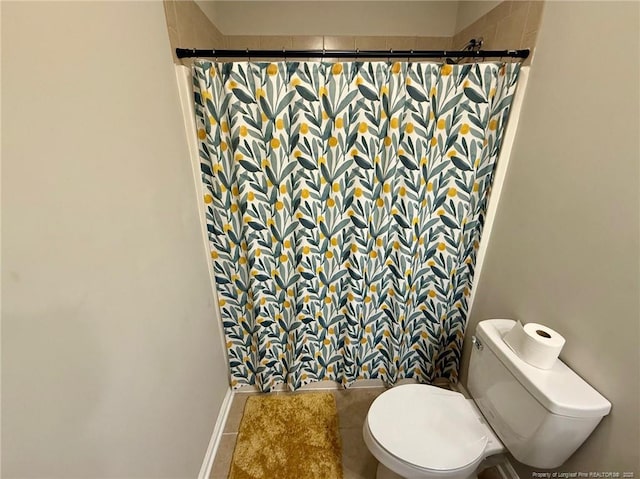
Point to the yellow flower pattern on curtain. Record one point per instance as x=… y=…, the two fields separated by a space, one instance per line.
x=345 y=204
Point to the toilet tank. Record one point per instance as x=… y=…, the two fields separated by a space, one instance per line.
x=541 y=416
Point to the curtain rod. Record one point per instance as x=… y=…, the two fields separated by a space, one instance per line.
x=195 y=52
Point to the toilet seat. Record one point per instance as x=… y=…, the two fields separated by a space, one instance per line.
x=427 y=427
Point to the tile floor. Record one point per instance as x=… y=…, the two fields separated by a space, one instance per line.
x=352 y=404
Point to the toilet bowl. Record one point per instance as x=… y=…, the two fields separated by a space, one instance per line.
x=432 y=433
x=540 y=416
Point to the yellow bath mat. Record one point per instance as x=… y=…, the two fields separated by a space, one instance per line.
x=288 y=436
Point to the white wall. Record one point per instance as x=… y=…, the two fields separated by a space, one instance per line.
x=379 y=18
x=565 y=247
x=112 y=364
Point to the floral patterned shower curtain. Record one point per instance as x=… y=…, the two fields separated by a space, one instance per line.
x=345 y=204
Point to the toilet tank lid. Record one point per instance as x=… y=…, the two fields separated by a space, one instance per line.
x=559 y=389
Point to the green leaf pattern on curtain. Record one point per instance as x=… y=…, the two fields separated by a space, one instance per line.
x=345 y=204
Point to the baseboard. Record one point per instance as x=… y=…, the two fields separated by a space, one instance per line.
x=506 y=470
x=214 y=442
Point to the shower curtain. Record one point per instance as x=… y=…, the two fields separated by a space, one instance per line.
x=344 y=204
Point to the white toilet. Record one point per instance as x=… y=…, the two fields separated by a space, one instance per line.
x=541 y=416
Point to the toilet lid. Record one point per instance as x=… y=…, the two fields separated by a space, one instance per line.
x=428 y=427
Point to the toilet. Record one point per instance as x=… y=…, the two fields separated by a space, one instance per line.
x=541 y=417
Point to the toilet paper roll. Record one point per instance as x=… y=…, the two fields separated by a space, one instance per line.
x=535 y=344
